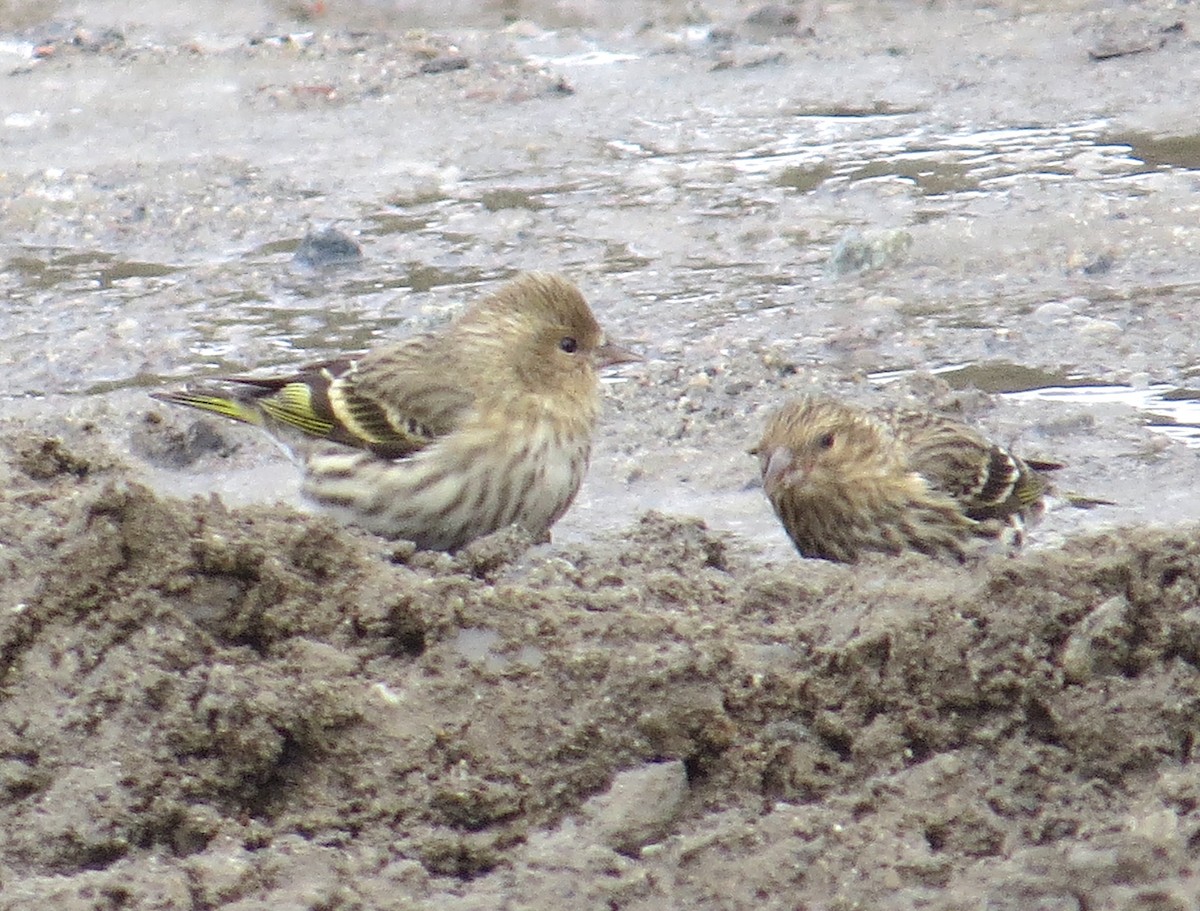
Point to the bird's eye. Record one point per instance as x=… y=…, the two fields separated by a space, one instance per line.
x=568 y=344
x=826 y=441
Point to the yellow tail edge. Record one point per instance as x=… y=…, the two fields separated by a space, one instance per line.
x=215 y=404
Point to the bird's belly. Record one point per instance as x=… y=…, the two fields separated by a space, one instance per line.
x=447 y=495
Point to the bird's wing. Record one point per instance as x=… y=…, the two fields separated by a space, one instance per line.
x=987 y=481
x=393 y=402
x=405 y=396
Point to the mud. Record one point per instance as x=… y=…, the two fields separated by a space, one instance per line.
x=210 y=698
x=206 y=707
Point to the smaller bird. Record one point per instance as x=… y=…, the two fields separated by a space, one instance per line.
x=845 y=481
x=448 y=436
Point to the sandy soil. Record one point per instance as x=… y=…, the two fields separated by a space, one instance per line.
x=205 y=705
x=253 y=708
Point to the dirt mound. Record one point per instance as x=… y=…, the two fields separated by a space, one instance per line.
x=215 y=708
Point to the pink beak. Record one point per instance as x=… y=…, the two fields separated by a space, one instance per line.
x=611 y=353
x=780 y=463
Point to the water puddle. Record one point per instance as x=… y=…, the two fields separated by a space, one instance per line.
x=478 y=645
x=888 y=146
x=77 y=270
x=1169 y=410
x=1182 y=152
x=713 y=206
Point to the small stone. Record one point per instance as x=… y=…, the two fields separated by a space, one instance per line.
x=777 y=20
x=329 y=247
x=1099 y=642
x=446 y=63
x=640 y=806
x=1053 y=311
x=1098 y=330
x=1099 y=266
x=857 y=252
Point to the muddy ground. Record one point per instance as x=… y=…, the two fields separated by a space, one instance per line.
x=223 y=701
x=206 y=707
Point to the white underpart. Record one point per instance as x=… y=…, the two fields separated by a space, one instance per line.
x=489 y=489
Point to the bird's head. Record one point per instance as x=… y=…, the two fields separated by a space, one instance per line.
x=820 y=445
x=543 y=336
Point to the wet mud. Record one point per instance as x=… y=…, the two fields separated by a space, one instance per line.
x=210 y=698
x=206 y=707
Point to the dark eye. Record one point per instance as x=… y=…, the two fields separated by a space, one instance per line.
x=568 y=344
x=826 y=441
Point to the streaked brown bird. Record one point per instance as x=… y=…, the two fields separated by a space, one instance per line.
x=448 y=436
x=845 y=481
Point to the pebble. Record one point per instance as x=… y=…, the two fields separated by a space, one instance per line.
x=856 y=252
x=1098 y=330
x=1095 y=645
x=640 y=806
x=446 y=63
x=329 y=247
x=1053 y=311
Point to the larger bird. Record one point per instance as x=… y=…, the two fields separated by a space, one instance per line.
x=845 y=481
x=448 y=436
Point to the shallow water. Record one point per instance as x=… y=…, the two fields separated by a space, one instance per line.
x=1169 y=410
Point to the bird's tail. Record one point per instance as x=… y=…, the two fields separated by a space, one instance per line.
x=245 y=409
x=1070 y=497
x=1082 y=501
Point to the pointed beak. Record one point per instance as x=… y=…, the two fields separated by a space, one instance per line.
x=611 y=353
x=776 y=468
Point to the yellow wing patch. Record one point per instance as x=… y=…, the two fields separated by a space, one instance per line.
x=369 y=421
x=292 y=404
x=321 y=402
x=1030 y=488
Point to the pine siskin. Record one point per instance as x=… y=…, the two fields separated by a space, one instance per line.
x=448 y=436
x=844 y=481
